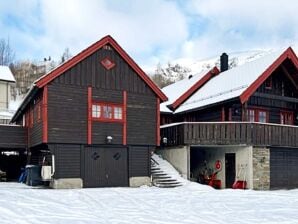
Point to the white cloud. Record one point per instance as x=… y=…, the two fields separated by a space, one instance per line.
x=141 y=27
x=151 y=31
x=241 y=25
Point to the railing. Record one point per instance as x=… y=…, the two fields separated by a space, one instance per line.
x=230 y=133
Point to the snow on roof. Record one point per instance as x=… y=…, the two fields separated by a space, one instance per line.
x=5 y=74
x=229 y=84
x=177 y=89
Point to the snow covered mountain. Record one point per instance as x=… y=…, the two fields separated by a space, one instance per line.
x=175 y=69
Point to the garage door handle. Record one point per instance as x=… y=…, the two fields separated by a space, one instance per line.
x=107 y=176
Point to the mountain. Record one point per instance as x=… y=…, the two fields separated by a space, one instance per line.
x=183 y=67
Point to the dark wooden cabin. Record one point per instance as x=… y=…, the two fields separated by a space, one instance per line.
x=95 y=119
x=255 y=104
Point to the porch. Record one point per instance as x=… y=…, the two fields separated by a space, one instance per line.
x=229 y=133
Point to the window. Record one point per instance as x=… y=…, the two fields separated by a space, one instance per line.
x=287 y=117
x=118 y=113
x=257 y=115
x=107 y=112
x=251 y=115
x=96 y=111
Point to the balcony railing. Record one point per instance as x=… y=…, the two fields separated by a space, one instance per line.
x=230 y=133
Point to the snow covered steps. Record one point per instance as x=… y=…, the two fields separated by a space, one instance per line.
x=161 y=179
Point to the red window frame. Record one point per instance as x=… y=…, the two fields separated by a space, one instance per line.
x=286 y=117
x=108 y=63
x=102 y=118
x=256 y=114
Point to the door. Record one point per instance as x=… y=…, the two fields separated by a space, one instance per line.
x=105 y=167
x=94 y=169
x=283 y=168
x=230 y=169
x=116 y=167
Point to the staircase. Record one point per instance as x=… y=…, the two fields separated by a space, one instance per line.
x=160 y=178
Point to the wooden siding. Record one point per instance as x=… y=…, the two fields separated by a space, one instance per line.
x=36 y=129
x=67 y=160
x=230 y=133
x=141 y=119
x=12 y=136
x=139 y=161
x=68 y=107
x=67 y=114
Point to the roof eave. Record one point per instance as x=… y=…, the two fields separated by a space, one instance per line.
x=33 y=90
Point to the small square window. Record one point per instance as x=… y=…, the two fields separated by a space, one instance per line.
x=117 y=113
x=107 y=112
x=96 y=111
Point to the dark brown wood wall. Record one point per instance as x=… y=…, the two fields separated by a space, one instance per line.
x=12 y=136
x=67 y=160
x=36 y=129
x=67 y=102
x=283 y=96
x=67 y=114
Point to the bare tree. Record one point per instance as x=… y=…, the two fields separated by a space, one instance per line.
x=66 y=55
x=6 y=53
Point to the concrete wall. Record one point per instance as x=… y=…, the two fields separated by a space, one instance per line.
x=179 y=158
x=261 y=168
x=243 y=157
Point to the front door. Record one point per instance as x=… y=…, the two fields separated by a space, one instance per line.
x=230 y=169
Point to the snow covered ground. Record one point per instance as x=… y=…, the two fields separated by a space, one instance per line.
x=191 y=203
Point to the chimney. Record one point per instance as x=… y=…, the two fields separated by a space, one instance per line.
x=224 y=62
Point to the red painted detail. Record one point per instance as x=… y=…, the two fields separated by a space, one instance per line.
x=289 y=53
x=223 y=114
x=230 y=114
x=253 y=114
x=218 y=165
x=45 y=115
x=157 y=122
x=89 y=128
x=31 y=117
x=90 y=50
x=124 y=134
x=102 y=116
x=107 y=63
x=195 y=87
x=287 y=117
x=38 y=111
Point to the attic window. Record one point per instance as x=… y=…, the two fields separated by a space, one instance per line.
x=107 y=63
x=268 y=83
x=107 y=47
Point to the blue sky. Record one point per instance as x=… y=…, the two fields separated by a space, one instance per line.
x=151 y=31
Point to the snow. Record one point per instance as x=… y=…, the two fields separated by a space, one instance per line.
x=229 y=84
x=177 y=89
x=5 y=74
x=190 y=203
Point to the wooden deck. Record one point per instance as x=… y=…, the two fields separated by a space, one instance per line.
x=230 y=133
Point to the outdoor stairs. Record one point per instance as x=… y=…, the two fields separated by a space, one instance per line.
x=160 y=178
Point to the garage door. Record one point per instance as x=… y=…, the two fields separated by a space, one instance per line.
x=283 y=168
x=105 y=167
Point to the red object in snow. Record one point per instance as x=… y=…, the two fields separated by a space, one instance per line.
x=239 y=184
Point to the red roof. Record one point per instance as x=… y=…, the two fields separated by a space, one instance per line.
x=195 y=87
x=289 y=53
x=90 y=50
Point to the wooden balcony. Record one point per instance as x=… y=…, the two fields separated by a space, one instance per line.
x=230 y=133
